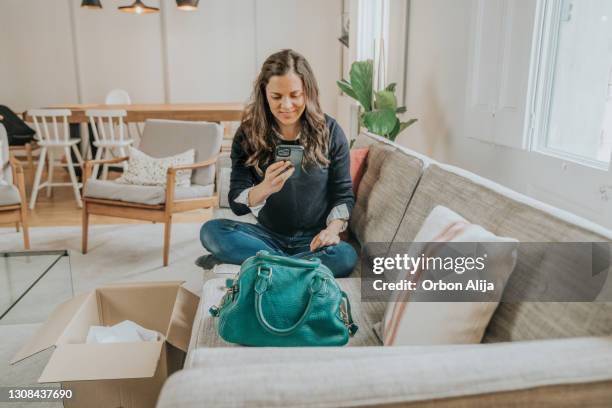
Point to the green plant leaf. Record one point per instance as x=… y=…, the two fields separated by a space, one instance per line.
x=380 y=122
x=399 y=128
x=346 y=88
x=361 y=82
x=401 y=109
x=386 y=100
x=395 y=131
x=404 y=125
x=391 y=87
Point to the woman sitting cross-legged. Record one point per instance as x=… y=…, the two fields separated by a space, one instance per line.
x=299 y=213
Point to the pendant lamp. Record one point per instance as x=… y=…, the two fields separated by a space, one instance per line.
x=91 y=4
x=138 y=7
x=187 y=5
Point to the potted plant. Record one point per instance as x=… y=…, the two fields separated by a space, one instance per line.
x=379 y=108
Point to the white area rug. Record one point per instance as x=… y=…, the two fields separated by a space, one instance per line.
x=127 y=252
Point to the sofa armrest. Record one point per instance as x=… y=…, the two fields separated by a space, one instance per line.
x=332 y=377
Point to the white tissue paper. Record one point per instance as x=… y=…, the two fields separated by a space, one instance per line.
x=125 y=332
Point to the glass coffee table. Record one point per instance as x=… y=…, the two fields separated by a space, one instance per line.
x=32 y=284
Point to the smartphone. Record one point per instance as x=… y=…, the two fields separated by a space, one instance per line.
x=292 y=153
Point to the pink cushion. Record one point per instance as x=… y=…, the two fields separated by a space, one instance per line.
x=358 y=161
x=358 y=166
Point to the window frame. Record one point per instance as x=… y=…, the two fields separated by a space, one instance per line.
x=548 y=25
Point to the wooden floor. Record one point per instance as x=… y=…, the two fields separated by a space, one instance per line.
x=61 y=209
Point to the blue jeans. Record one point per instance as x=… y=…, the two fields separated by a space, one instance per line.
x=234 y=241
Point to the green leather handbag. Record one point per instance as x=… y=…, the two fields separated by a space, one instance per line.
x=279 y=301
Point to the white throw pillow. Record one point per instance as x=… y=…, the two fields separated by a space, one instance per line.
x=411 y=322
x=145 y=170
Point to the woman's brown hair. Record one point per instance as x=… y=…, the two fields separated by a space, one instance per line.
x=258 y=123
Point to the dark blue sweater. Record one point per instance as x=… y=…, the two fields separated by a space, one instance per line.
x=305 y=201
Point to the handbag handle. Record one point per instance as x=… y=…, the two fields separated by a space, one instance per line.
x=259 y=292
x=283 y=260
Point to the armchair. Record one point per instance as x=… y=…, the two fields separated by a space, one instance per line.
x=13 y=204
x=21 y=138
x=153 y=203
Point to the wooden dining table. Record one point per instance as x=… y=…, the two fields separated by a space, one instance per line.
x=140 y=112
x=210 y=112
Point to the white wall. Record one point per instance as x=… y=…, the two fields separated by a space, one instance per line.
x=36 y=58
x=118 y=50
x=211 y=52
x=210 y=55
x=310 y=27
x=436 y=95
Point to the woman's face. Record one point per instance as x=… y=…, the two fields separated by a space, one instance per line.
x=285 y=94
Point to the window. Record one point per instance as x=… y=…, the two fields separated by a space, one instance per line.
x=572 y=115
x=373 y=24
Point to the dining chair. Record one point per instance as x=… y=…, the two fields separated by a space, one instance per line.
x=122 y=97
x=118 y=97
x=108 y=127
x=13 y=202
x=52 y=141
x=161 y=138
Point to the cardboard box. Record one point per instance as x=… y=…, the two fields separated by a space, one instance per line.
x=114 y=375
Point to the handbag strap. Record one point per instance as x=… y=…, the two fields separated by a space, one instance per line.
x=261 y=285
x=348 y=318
x=287 y=261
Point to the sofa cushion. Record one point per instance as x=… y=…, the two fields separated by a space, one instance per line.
x=411 y=320
x=365 y=315
x=554 y=373
x=9 y=195
x=151 y=195
x=384 y=192
x=162 y=138
x=507 y=213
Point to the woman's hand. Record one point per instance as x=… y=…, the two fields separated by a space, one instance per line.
x=276 y=175
x=327 y=237
x=274 y=180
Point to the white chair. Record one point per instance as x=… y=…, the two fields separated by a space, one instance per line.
x=51 y=140
x=108 y=128
x=118 y=97
x=121 y=97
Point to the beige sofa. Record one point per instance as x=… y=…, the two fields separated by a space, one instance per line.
x=532 y=354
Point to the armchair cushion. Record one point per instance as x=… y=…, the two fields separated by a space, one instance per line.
x=151 y=195
x=5 y=166
x=163 y=138
x=9 y=195
x=224 y=172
